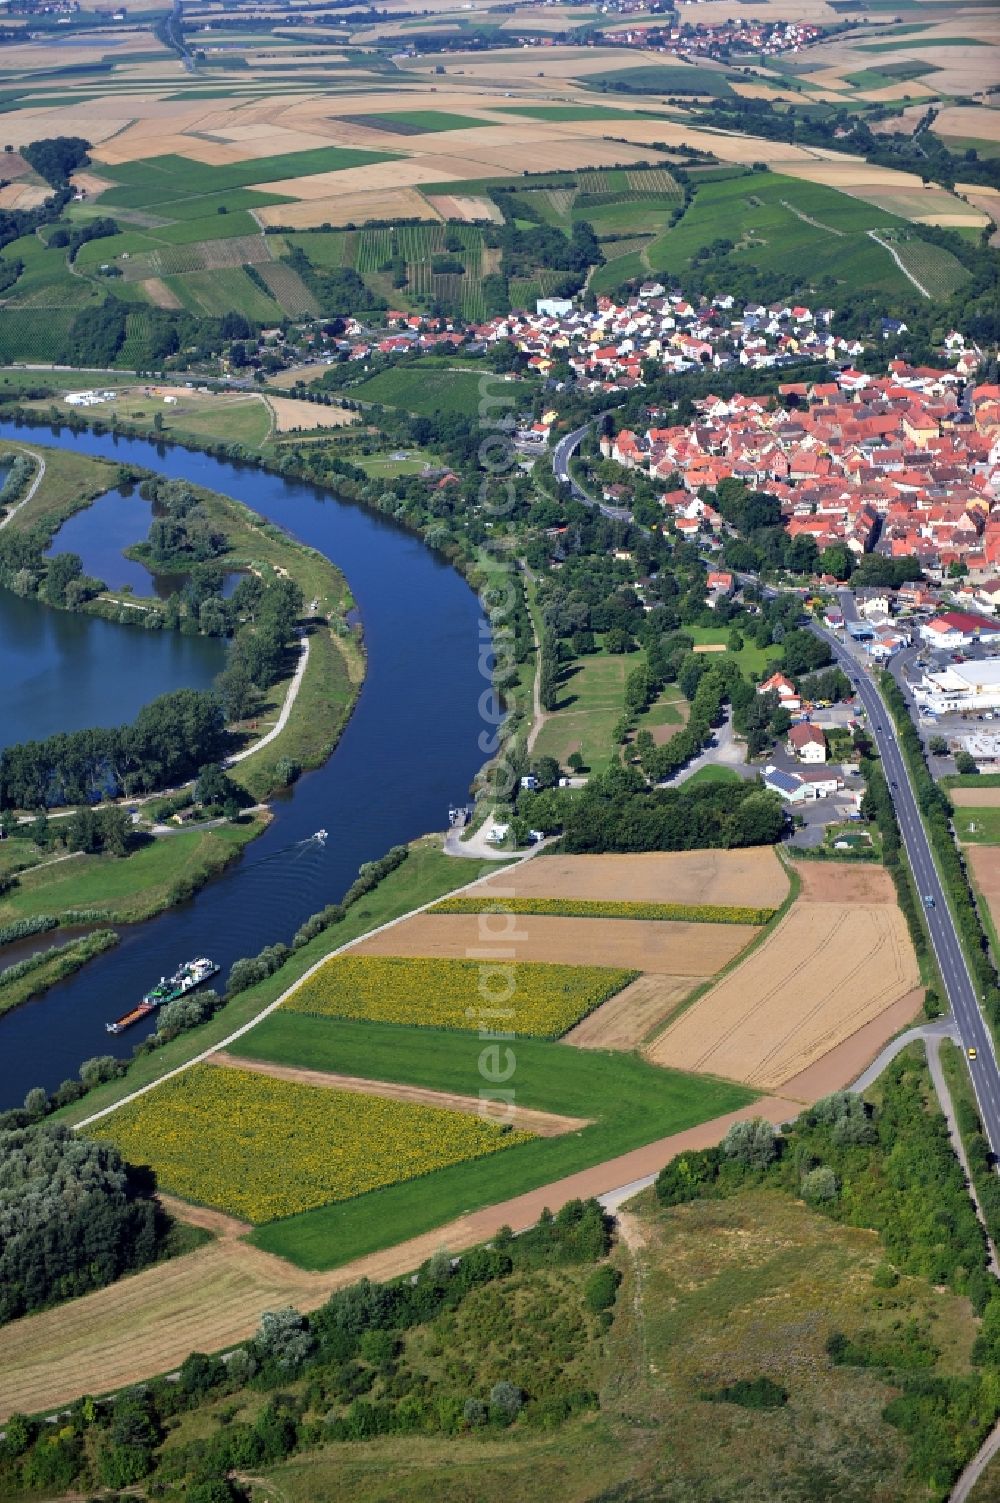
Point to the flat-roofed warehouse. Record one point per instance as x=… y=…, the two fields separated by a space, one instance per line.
x=961 y=687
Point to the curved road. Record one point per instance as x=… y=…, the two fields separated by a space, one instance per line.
x=958 y=982
x=561 y=456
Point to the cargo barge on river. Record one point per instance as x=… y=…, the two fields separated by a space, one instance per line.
x=191 y=974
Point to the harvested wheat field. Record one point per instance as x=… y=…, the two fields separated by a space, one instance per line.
x=292 y=416
x=674 y=949
x=526 y=1119
x=24 y=195
x=349 y=208
x=144 y=1324
x=160 y=294
x=975 y=798
x=837 y=960
x=966 y=120
x=626 y=1019
x=286 y=379
x=727 y=147
x=752 y=877
x=467 y=207
x=985 y=863
x=823 y=883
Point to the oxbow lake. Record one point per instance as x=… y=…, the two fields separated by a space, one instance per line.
x=410 y=750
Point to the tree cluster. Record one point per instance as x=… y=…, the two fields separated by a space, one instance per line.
x=73 y=1217
x=167 y=742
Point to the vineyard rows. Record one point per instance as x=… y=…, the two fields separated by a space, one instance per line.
x=202 y=255
x=934 y=267
x=33 y=333
x=653 y=180
x=289 y=290
x=134 y=353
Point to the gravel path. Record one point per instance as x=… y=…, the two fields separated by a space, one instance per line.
x=286 y=709
x=40 y=461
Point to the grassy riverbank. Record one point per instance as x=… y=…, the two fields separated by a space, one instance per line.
x=125 y=889
x=426 y=874
x=71 y=481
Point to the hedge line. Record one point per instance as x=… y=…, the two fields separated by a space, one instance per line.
x=26 y=927
x=57 y=964
x=974 y=1140
x=691 y=913
x=936 y=808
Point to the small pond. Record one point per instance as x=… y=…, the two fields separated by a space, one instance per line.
x=102 y=531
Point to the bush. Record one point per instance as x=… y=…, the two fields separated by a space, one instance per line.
x=819 y=1184
x=506 y=1402
x=601 y=1288
x=751 y=1393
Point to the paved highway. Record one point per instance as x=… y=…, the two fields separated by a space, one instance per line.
x=561 y=456
x=958 y=982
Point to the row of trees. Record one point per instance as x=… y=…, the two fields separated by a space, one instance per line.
x=169 y=740
x=618 y=811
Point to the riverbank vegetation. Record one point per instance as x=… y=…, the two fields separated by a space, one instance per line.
x=399 y=887
x=34 y=975
x=368 y=1363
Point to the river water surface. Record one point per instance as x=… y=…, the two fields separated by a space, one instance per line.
x=410 y=749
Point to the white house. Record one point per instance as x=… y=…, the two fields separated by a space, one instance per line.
x=807 y=742
x=553 y=307
x=801 y=787
x=953 y=629
x=788 y=696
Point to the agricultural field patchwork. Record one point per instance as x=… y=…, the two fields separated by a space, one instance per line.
x=262 y=1148
x=838 y=960
x=539 y=1001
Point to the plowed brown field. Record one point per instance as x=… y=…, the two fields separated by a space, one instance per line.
x=753 y=876
x=640 y=944
x=975 y=798
x=985 y=862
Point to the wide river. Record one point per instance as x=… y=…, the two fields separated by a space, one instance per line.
x=410 y=749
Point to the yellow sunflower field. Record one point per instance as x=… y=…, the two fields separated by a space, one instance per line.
x=261 y=1148
x=530 y=999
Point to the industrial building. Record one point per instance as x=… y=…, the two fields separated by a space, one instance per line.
x=961 y=688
